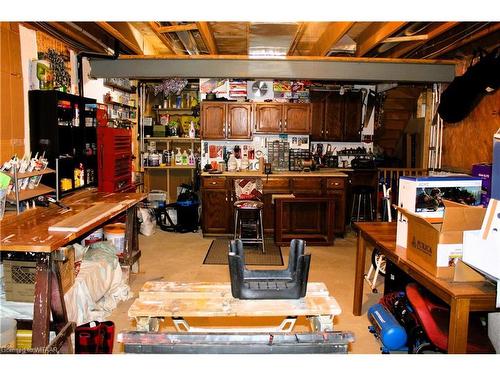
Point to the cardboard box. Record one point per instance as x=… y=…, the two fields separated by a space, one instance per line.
x=424 y=196
x=437 y=246
x=482 y=247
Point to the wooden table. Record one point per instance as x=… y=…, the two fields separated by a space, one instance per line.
x=159 y=299
x=29 y=232
x=305 y=217
x=462 y=297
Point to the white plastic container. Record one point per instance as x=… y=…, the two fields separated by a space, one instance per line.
x=93 y=237
x=8 y=329
x=115 y=233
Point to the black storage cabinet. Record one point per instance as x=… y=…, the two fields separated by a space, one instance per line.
x=64 y=127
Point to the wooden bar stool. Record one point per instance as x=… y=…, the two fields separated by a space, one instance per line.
x=248 y=207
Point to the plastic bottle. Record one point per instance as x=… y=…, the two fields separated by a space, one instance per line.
x=244 y=162
x=231 y=164
x=82 y=175
x=191 y=160
x=178 y=157
x=185 y=158
x=192 y=131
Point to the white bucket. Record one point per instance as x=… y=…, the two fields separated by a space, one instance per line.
x=8 y=329
x=115 y=233
x=93 y=237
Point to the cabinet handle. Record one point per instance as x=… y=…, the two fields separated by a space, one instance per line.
x=226 y=197
x=214 y=183
x=285 y=125
x=280 y=124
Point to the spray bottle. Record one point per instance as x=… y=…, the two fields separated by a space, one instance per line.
x=185 y=158
x=191 y=160
x=178 y=157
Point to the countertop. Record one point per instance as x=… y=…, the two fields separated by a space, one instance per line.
x=333 y=172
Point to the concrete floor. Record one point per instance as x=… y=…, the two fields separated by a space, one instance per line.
x=179 y=257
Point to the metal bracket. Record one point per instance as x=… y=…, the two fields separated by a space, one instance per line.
x=321 y=323
x=286 y=326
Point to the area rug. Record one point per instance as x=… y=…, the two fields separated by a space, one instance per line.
x=217 y=253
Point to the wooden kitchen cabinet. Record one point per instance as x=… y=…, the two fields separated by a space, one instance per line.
x=213 y=120
x=335 y=187
x=226 y=120
x=268 y=118
x=239 y=121
x=297 y=118
x=216 y=206
x=271 y=186
x=335 y=117
x=291 y=118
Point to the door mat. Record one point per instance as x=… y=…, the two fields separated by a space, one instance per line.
x=217 y=253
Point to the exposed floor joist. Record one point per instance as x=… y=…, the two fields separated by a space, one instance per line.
x=176 y=28
x=207 y=36
x=375 y=34
x=296 y=39
x=165 y=40
x=80 y=38
x=118 y=35
x=333 y=33
x=403 y=49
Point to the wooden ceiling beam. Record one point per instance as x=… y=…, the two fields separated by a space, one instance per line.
x=106 y=26
x=77 y=37
x=165 y=40
x=333 y=33
x=375 y=34
x=493 y=27
x=403 y=49
x=207 y=36
x=176 y=28
x=298 y=36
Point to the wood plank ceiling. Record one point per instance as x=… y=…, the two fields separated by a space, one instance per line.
x=408 y=40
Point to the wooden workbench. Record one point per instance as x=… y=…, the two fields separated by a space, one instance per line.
x=29 y=232
x=462 y=297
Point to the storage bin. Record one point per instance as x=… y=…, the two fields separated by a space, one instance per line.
x=19 y=280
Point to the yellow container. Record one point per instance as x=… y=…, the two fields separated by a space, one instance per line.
x=23 y=338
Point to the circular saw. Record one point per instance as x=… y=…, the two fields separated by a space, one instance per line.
x=260 y=89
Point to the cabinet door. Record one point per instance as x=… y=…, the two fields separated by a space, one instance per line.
x=213 y=120
x=268 y=118
x=216 y=213
x=334 y=113
x=318 y=103
x=352 y=117
x=239 y=121
x=297 y=118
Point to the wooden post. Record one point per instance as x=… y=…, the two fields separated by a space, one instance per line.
x=427 y=129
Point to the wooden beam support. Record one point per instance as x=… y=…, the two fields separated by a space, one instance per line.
x=493 y=27
x=106 y=26
x=409 y=38
x=375 y=34
x=298 y=36
x=334 y=31
x=207 y=36
x=165 y=40
x=175 y=28
x=77 y=37
x=402 y=50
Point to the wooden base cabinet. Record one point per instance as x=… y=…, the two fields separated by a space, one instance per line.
x=218 y=199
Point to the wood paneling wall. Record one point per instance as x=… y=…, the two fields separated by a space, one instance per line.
x=471 y=140
x=11 y=92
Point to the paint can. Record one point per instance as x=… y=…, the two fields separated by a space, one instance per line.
x=93 y=237
x=115 y=233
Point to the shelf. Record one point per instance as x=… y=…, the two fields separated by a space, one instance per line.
x=174 y=110
x=30 y=193
x=121 y=104
x=31 y=174
x=173 y=167
x=173 y=139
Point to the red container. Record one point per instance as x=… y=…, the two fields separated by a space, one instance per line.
x=114 y=152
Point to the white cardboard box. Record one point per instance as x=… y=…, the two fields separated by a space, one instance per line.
x=423 y=196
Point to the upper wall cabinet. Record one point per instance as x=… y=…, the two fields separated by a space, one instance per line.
x=336 y=117
x=226 y=120
x=288 y=118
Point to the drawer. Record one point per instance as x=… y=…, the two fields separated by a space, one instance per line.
x=275 y=183
x=306 y=183
x=335 y=183
x=214 y=182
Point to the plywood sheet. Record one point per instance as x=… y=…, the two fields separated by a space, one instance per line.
x=82 y=219
x=471 y=140
x=167 y=299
